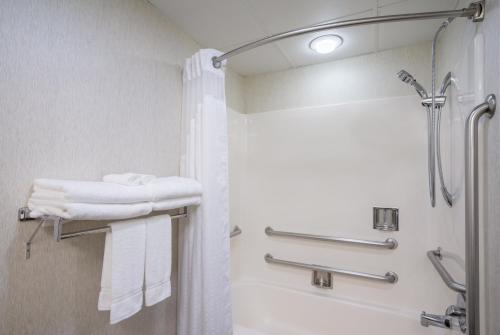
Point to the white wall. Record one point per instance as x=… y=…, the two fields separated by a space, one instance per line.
x=325 y=144
x=86 y=88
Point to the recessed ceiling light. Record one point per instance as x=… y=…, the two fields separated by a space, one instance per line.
x=326 y=43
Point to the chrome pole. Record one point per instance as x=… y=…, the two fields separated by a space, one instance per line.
x=389 y=277
x=435 y=257
x=389 y=243
x=472 y=211
x=475 y=11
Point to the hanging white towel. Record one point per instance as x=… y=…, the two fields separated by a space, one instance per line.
x=111 y=193
x=81 y=211
x=158 y=259
x=129 y=179
x=123 y=270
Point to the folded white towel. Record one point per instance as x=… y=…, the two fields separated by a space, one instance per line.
x=173 y=188
x=96 y=192
x=111 y=193
x=123 y=270
x=129 y=179
x=82 y=211
x=165 y=205
x=158 y=259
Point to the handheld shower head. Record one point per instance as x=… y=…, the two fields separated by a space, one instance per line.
x=407 y=78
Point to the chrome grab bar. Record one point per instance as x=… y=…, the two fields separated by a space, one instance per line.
x=472 y=210
x=389 y=277
x=236 y=231
x=435 y=257
x=389 y=243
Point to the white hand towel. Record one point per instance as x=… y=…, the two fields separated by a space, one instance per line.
x=165 y=205
x=112 y=193
x=129 y=179
x=158 y=259
x=123 y=270
x=81 y=211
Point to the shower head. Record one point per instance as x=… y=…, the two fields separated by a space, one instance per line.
x=407 y=78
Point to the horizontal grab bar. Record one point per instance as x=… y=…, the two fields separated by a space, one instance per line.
x=236 y=231
x=389 y=243
x=435 y=258
x=389 y=277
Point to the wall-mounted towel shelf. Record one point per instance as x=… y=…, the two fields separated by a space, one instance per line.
x=57 y=222
x=389 y=243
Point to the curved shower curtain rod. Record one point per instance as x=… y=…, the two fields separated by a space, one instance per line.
x=475 y=12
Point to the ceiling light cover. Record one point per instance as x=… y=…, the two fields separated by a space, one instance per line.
x=326 y=43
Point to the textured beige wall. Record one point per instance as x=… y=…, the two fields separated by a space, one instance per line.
x=87 y=87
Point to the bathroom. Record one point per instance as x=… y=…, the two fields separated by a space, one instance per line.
x=334 y=178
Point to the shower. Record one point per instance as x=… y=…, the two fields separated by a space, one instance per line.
x=407 y=78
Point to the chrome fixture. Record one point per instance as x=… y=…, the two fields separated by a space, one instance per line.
x=475 y=12
x=426 y=102
x=322 y=279
x=435 y=256
x=24 y=215
x=436 y=109
x=235 y=232
x=434 y=320
x=386 y=219
x=389 y=243
x=439 y=102
x=455 y=315
x=472 y=210
x=389 y=277
x=433 y=106
x=408 y=79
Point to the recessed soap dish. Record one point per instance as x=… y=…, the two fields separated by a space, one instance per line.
x=386 y=219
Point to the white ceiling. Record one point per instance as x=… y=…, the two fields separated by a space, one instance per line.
x=226 y=24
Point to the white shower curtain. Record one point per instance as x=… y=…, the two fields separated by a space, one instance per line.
x=204 y=300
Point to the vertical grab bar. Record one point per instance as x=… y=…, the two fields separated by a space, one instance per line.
x=472 y=211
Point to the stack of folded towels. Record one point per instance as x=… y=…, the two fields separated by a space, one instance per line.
x=117 y=197
x=137 y=254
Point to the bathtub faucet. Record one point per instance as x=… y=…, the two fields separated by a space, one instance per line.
x=454 y=315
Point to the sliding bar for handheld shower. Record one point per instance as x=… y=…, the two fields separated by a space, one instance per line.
x=475 y=11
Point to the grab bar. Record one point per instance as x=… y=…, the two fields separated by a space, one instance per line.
x=435 y=257
x=472 y=211
x=389 y=243
x=236 y=231
x=389 y=277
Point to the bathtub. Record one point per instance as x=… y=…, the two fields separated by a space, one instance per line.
x=267 y=309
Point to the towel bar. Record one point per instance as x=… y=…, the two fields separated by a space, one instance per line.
x=57 y=222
